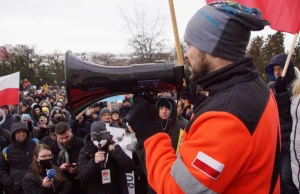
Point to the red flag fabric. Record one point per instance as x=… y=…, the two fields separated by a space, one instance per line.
x=284 y=15
x=9 y=89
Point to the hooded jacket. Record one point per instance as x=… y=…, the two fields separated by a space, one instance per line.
x=9 y=120
x=172 y=125
x=16 y=160
x=90 y=173
x=285 y=124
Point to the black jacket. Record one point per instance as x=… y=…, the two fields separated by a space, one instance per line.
x=48 y=140
x=175 y=124
x=283 y=100
x=73 y=150
x=80 y=130
x=9 y=120
x=14 y=167
x=32 y=185
x=90 y=173
x=4 y=138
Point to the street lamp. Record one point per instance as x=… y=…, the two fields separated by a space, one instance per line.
x=30 y=65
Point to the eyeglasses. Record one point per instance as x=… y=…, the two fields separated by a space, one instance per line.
x=25 y=121
x=46 y=156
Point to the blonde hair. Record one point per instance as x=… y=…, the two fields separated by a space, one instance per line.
x=296 y=88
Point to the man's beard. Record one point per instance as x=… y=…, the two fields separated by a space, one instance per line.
x=201 y=69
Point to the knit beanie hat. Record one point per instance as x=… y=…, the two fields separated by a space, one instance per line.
x=103 y=111
x=25 y=116
x=223 y=29
x=98 y=126
x=115 y=110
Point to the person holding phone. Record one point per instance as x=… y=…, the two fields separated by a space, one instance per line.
x=66 y=151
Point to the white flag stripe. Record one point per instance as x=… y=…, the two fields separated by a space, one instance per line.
x=210 y=161
x=10 y=81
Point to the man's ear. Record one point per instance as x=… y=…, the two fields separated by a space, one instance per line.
x=34 y=157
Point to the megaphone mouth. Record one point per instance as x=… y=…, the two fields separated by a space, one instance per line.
x=87 y=83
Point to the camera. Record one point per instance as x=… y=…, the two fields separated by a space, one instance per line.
x=101 y=135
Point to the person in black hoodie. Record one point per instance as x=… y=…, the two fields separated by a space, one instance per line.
x=282 y=89
x=95 y=166
x=50 y=139
x=35 y=112
x=66 y=151
x=36 y=181
x=16 y=158
x=125 y=108
x=168 y=114
x=9 y=119
x=80 y=127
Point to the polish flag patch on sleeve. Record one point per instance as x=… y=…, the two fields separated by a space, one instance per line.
x=209 y=166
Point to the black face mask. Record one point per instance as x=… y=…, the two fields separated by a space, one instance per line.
x=46 y=164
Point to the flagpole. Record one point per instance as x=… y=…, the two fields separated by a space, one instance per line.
x=177 y=42
x=290 y=55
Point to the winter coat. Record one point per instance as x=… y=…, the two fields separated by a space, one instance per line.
x=4 y=138
x=295 y=140
x=48 y=140
x=285 y=125
x=73 y=150
x=32 y=185
x=90 y=173
x=9 y=120
x=174 y=131
x=80 y=130
x=15 y=162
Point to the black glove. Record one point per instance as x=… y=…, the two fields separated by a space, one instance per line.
x=280 y=85
x=144 y=119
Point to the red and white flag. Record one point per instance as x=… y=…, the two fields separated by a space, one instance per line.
x=284 y=15
x=209 y=166
x=9 y=89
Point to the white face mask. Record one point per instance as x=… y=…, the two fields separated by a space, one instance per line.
x=102 y=143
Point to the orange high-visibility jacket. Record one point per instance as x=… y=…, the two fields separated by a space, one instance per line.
x=231 y=145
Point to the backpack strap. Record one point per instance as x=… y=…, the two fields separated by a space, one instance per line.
x=36 y=141
x=4 y=152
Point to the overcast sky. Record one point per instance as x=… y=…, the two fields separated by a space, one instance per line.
x=87 y=25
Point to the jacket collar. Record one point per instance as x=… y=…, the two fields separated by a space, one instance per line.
x=237 y=72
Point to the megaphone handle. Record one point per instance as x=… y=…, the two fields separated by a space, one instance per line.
x=101 y=163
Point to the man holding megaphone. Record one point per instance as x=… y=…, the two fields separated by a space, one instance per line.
x=102 y=164
x=232 y=143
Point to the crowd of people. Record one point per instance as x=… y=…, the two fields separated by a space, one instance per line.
x=40 y=134
x=240 y=136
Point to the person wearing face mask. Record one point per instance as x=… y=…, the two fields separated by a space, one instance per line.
x=103 y=172
x=66 y=151
x=45 y=103
x=16 y=158
x=36 y=180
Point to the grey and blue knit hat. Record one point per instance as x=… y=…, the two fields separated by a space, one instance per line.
x=223 y=29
